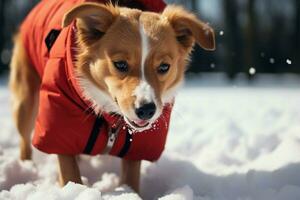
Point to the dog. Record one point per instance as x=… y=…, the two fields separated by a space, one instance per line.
x=98 y=78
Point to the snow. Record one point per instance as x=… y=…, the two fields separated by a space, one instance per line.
x=221 y=33
x=227 y=141
x=185 y=193
x=288 y=61
x=252 y=71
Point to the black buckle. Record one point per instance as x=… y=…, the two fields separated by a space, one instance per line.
x=51 y=38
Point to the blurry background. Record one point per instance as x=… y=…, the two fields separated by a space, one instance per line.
x=253 y=36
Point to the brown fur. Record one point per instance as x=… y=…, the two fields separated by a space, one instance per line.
x=106 y=34
x=172 y=35
x=24 y=84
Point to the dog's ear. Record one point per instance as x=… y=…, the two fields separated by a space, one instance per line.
x=93 y=20
x=189 y=29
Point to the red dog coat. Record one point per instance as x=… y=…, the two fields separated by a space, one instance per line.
x=64 y=124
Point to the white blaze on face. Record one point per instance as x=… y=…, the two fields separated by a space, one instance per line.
x=145 y=50
x=144 y=93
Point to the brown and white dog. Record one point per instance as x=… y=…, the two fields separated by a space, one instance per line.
x=139 y=58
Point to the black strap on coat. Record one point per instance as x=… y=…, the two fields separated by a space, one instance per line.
x=93 y=135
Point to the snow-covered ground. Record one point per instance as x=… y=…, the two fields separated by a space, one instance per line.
x=227 y=142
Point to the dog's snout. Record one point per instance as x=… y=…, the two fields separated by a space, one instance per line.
x=146 y=111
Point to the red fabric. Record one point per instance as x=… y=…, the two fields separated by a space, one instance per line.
x=154 y=5
x=63 y=124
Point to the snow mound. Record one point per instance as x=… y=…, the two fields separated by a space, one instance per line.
x=70 y=191
x=185 y=193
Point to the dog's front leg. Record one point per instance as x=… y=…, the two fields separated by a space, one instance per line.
x=131 y=174
x=68 y=169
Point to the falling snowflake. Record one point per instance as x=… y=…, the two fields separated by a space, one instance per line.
x=288 y=61
x=212 y=65
x=252 y=71
x=221 y=33
x=272 y=60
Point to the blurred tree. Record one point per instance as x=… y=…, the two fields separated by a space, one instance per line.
x=194 y=5
x=296 y=37
x=277 y=42
x=234 y=42
x=297 y=25
x=2 y=31
x=251 y=38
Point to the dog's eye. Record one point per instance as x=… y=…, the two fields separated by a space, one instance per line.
x=122 y=66
x=163 y=68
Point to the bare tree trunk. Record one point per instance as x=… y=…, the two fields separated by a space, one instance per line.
x=234 y=42
x=297 y=32
x=2 y=31
x=296 y=38
x=194 y=5
x=251 y=39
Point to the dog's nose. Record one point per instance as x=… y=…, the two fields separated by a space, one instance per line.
x=146 y=111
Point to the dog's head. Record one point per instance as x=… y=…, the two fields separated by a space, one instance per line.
x=131 y=62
